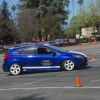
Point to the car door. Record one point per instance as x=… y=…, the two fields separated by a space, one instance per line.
x=47 y=59
x=29 y=57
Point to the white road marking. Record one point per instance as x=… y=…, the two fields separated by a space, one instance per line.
x=57 y=97
x=34 y=82
x=35 y=88
x=95 y=80
x=60 y=94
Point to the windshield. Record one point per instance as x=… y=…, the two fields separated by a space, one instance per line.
x=57 y=48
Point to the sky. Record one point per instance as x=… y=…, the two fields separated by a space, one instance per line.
x=76 y=5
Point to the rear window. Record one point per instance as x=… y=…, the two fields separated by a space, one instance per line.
x=28 y=51
x=17 y=52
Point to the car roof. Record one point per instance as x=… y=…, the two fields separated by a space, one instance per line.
x=35 y=45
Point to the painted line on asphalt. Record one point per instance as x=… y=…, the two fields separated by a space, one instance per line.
x=35 y=88
x=95 y=80
x=28 y=83
x=34 y=82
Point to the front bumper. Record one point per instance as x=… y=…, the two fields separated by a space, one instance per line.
x=81 y=62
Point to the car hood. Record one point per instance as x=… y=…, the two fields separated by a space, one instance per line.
x=76 y=53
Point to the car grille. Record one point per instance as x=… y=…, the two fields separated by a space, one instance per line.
x=86 y=60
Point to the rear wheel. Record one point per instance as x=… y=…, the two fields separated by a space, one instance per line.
x=15 y=69
x=68 y=65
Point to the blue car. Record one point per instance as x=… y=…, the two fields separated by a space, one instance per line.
x=40 y=57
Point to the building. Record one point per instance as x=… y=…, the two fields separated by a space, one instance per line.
x=89 y=32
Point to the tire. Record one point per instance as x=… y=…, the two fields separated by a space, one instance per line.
x=15 y=69
x=68 y=65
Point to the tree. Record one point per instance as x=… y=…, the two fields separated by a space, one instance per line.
x=29 y=4
x=74 y=31
x=80 y=2
x=32 y=4
x=88 y=17
x=13 y=8
x=50 y=27
x=67 y=4
x=54 y=20
x=43 y=8
x=91 y=16
x=6 y=25
x=27 y=25
x=94 y=14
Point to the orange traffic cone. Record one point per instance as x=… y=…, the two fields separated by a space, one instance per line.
x=78 y=82
x=74 y=48
x=93 y=46
x=93 y=57
x=64 y=48
x=89 y=58
x=67 y=46
x=81 y=48
x=84 y=44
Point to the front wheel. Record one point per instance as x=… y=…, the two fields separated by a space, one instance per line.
x=68 y=65
x=15 y=69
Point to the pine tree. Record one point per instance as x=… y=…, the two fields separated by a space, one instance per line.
x=6 y=25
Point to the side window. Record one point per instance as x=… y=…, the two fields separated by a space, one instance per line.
x=17 y=52
x=29 y=51
x=44 y=51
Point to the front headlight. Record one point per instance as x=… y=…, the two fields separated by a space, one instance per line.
x=77 y=56
x=79 y=53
